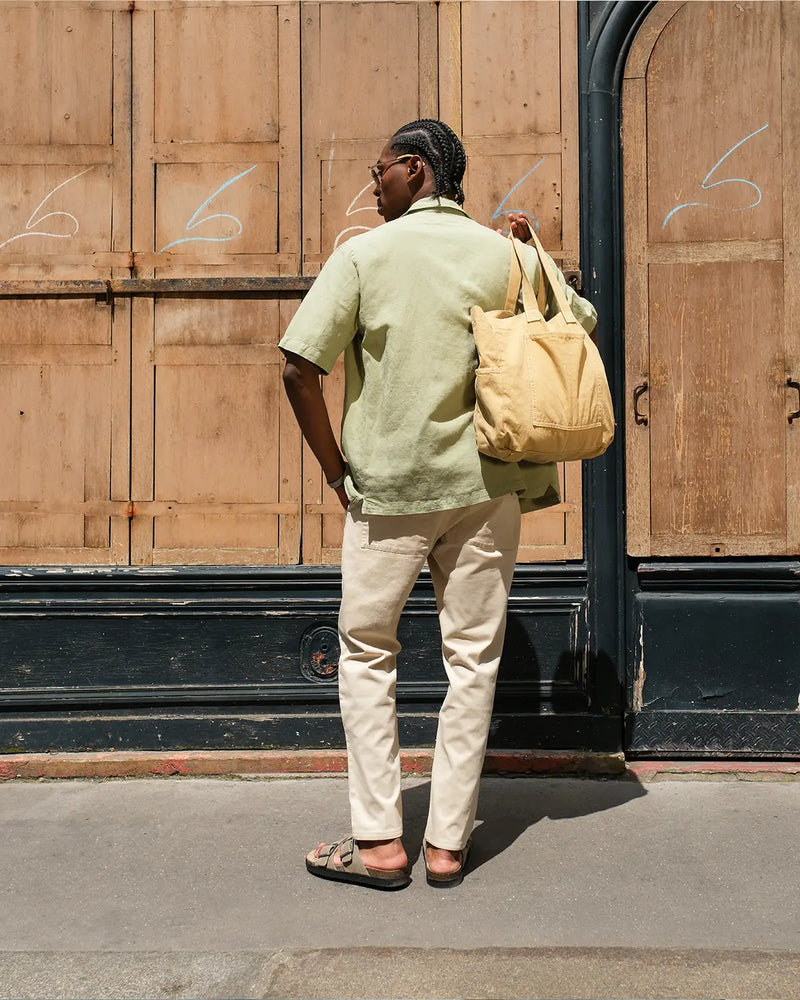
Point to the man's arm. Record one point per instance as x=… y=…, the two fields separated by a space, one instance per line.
x=301 y=381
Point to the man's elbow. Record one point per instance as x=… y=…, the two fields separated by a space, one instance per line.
x=292 y=377
x=299 y=376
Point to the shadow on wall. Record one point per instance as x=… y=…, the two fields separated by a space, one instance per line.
x=551 y=672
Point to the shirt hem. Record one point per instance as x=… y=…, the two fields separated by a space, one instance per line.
x=527 y=504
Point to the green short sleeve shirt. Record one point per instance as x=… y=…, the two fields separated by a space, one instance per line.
x=396 y=302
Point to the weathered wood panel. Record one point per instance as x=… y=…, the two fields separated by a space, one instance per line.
x=790 y=106
x=512 y=120
x=216 y=136
x=217 y=192
x=717 y=405
x=63 y=383
x=197 y=97
x=64 y=211
x=708 y=347
x=347 y=116
x=715 y=173
x=65 y=154
x=56 y=74
x=211 y=485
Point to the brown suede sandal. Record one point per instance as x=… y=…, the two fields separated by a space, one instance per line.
x=449 y=879
x=352 y=868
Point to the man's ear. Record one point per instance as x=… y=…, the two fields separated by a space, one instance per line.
x=415 y=165
x=415 y=172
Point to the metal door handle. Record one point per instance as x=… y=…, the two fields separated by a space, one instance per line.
x=791 y=384
x=637 y=392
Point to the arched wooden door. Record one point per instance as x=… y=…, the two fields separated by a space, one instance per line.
x=711 y=154
x=712 y=292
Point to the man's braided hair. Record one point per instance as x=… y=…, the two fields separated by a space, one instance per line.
x=441 y=147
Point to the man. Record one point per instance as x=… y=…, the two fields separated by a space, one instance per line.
x=396 y=301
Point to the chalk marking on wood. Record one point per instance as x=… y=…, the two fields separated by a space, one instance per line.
x=352 y=211
x=194 y=221
x=33 y=221
x=502 y=210
x=728 y=180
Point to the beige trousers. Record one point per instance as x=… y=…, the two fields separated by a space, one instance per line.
x=471 y=553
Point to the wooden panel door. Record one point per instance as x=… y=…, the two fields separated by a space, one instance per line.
x=215 y=459
x=509 y=82
x=710 y=115
x=504 y=75
x=64 y=214
x=390 y=51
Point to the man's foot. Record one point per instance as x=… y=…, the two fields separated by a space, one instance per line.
x=341 y=861
x=442 y=862
x=383 y=855
x=445 y=869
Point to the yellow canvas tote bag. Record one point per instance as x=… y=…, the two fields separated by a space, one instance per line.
x=541 y=389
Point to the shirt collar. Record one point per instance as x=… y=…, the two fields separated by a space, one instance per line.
x=435 y=201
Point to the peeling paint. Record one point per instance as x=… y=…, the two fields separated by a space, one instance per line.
x=662 y=697
x=585 y=660
x=638 y=685
x=716 y=694
x=330 y=159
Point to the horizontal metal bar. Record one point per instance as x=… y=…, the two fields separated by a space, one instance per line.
x=143 y=508
x=272 y=284
x=131 y=287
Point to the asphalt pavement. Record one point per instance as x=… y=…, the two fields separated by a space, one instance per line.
x=577 y=888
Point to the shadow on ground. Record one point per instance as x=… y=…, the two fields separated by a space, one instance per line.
x=509 y=806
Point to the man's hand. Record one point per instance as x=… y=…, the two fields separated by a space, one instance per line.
x=519 y=226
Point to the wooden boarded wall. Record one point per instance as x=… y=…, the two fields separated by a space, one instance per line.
x=216 y=159
x=712 y=301
x=210 y=141
x=64 y=215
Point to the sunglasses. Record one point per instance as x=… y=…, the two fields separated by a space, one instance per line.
x=377 y=171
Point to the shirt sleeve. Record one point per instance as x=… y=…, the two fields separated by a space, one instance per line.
x=582 y=309
x=327 y=320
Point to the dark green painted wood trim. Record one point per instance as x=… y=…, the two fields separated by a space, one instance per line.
x=153 y=578
x=605 y=33
x=226 y=730
x=719 y=575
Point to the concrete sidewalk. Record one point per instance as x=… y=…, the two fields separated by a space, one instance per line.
x=578 y=888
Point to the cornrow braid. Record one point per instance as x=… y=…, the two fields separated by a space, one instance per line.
x=441 y=147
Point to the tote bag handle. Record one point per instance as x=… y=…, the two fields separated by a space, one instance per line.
x=548 y=268
x=518 y=276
